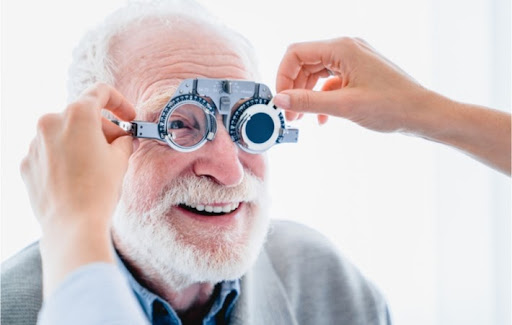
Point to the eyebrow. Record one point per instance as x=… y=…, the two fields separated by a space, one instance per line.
x=150 y=109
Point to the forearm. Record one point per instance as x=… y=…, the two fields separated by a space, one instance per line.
x=480 y=132
x=66 y=248
x=97 y=293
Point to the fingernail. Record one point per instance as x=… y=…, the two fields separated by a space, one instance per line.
x=282 y=101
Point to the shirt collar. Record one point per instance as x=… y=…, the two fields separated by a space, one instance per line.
x=223 y=303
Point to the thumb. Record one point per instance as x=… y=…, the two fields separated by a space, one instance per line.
x=124 y=144
x=320 y=102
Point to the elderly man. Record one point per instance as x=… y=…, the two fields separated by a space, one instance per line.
x=191 y=232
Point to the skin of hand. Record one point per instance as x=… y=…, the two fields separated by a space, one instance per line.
x=371 y=91
x=73 y=173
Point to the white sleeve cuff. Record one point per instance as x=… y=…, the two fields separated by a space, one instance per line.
x=96 y=293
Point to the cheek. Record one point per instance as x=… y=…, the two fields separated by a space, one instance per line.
x=150 y=169
x=256 y=164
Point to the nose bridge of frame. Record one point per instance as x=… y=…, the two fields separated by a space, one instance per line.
x=224 y=93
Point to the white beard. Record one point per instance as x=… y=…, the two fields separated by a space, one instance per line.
x=161 y=246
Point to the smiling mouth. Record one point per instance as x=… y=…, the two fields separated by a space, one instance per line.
x=210 y=210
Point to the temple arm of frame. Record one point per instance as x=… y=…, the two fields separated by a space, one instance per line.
x=139 y=129
x=290 y=135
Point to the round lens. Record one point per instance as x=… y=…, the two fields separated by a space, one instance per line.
x=259 y=128
x=187 y=124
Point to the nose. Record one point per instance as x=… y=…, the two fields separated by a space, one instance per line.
x=219 y=159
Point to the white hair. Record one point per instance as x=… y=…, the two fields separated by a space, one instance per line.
x=92 y=61
x=163 y=247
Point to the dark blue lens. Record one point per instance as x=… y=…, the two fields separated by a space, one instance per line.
x=259 y=128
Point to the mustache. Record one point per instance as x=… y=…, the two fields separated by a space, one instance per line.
x=204 y=190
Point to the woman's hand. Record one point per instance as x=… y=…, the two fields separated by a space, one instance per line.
x=73 y=173
x=371 y=91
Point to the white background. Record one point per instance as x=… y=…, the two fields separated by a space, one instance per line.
x=427 y=224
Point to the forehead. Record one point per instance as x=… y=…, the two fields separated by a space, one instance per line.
x=151 y=108
x=152 y=58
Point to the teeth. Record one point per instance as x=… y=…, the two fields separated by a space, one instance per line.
x=215 y=209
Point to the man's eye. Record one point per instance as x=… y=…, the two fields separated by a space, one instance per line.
x=176 y=124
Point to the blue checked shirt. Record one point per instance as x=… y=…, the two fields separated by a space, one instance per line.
x=159 y=312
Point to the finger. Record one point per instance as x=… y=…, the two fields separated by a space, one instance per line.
x=301 y=79
x=313 y=79
x=314 y=68
x=48 y=124
x=110 y=130
x=49 y=128
x=322 y=119
x=307 y=74
x=298 y=55
x=333 y=102
x=333 y=83
x=125 y=145
x=311 y=69
x=104 y=96
x=32 y=155
x=291 y=116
